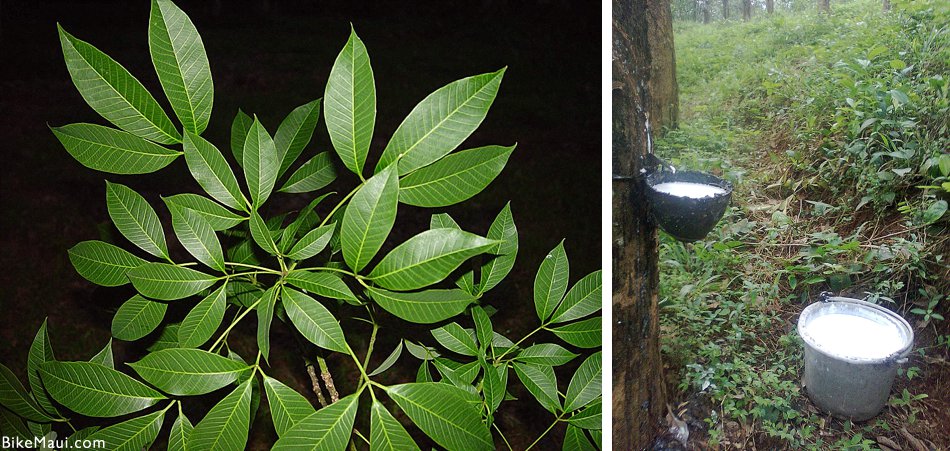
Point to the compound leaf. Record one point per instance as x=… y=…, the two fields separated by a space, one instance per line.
x=427 y=258
x=454 y=178
x=109 y=150
x=313 y=320
x=136 y=219
x=94 y=390
x=137 y=318
x=187 y=372
x=424 y=307
x=368 y=219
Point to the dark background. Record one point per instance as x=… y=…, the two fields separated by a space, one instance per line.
x=267 y=58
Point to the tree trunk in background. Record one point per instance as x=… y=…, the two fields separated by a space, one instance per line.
x=639 y=394
x=887 y=5
x=705 y=4
x=824 y=6
x=770 y=6
x=664 y=109
x=746 y=9
x=725 y=9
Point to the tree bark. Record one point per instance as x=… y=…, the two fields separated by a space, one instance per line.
x=705 y=5
x=887 y=5
x=746 y=10
x=664 y=109
x=824 y=6
x=770 y=6
x=639 y=394
x=725 y=9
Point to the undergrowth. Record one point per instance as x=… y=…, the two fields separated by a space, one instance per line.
x=834 y=130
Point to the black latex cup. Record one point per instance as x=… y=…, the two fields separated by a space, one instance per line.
x=685 y=218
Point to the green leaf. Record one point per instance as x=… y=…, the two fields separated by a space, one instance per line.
x=427 y=258
x=583 y=299
x=187 y=372
x=294 y=133
x=114 y=93
x=583 y=334
x=181 y=64
x=328 y=429
x=934 y=212
x=180 y=433
x=368 y=219
x=93 y=390
x=287 y=406
x=386 y=433
x=136 y=219
x=104 y=357
x=114 y=151
x=585 y=385
x=493 y=386
x=227 y=423
x=483 y=327
x=261 y=234
x=197 y=236
x=40 y=353
x=322 y=284
x=265 y=314
x=575 y=440
x=239 y=127
x=442 y=221
x=350 y=104
x=424 y=307
x=423 y=375
x=443 y=412
x=211 y=171
x=312 y=175
x=167 y=338
x=14 y=397
x=546 y=354
x=494 y=270
x=204 y=319
x=551 y=282
x=312 y=243
x=137 y=318
x=389 y=361
x=313 y=320
x=102 y=263
x=541 y=383
x=454 y=178
x=590 y=417
x=454 y=338
x=440 y=122
x=421 y=352
x=261 y=163
x=169 y=282
x=218 y=217
x=130 y=435
x=13 y=426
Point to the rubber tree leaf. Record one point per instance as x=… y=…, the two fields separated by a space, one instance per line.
x=350 y=103
x=136 y=219
x=104 y=357
x=311 y=176
x=181 y=64
x=583 y=299
x=424 y=307
x=576 y=440
x=168 y=282
x=294 y=133
x=40 y=352
x=187 y=372
x=454 y=338
x=93 y=390
x=368 y=219
x=167 y=338
x=204 y=319
x=227 y=423
x=494 y=385
x=180 y=433
x=114 y=93
x=585 y=385
x=541 y=383
x=137 y=318
x=427 y=258
x=443 y=412
x=423 y=375
x=583 y=334
x=313 y=320
x=590 y=417
x=265 y=314
x=13 y=426
x=440 y=122
x=550 y=283
x=261 y=163
x=546 y=354
x=239 y=127
x=211 y=171
x=287 y=406
x=442 y=221
x=454 y=178
x=312 y=243
x=197 y=236
x=389 y=361
x=218 y=217
x=322 y=284
x=496 y=269
x=102 y=263
x=130 y=435
x=328 y=429
x=421 y=352
x=14 y=397
x=483 y=328
x=386 y=433
x=109 y=150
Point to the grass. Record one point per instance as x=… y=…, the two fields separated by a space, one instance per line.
x=835 y=132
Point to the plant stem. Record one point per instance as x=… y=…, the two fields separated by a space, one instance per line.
x=327 y=268
x=372 y=341
x=368 y=382
x=338 y=205
x=360 y=435
x=234 y=323
x=535 y=442
x=328 y=379
x=261 y=268
x=316 y=384
x=502 y=436
x=521 y=340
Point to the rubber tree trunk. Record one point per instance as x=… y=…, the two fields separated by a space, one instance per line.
x=770 y=6
x=664 y=91
x=639 y=394
x=887 y=5
x=824 y=6
x=725 y=9
x=746 y=9
x=705 y=5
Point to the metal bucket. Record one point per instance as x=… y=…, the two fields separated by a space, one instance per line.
x=850 y=375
